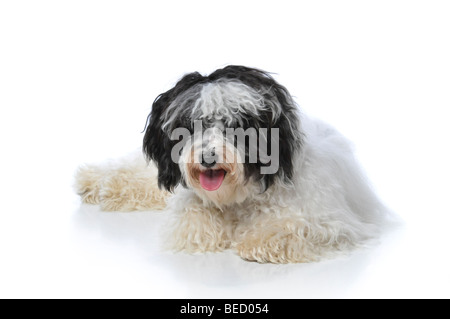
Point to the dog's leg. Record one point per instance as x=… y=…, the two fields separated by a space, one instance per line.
x=88 y=182
x=197 y=228
x=131 y=188
x=271 y=239
x=127 y=185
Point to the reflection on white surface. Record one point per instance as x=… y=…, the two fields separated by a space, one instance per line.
x=225 y=273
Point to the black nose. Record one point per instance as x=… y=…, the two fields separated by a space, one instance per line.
x=208 y=165
x=208 y=158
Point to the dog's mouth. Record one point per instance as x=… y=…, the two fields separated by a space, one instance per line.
x=211 y=179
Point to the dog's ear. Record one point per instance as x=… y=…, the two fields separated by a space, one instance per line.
x=284 y=137
x=290 y=137
x=157 y=145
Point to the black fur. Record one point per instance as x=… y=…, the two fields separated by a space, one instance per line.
x=157 y=145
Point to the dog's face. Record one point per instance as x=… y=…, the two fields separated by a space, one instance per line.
x=226 y=135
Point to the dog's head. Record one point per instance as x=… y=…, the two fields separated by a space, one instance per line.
x=225 y=135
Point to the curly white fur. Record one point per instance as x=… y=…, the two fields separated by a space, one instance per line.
x=328 y=208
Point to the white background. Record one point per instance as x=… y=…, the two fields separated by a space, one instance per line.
x=77 y=80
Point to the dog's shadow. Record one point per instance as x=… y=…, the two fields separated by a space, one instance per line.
x=143 y=230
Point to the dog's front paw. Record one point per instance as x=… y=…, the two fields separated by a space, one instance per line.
x=198 y=229
x=127 y=191
x=277 y=249
x=88 y=181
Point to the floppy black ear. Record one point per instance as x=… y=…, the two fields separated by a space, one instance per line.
x=289 y=141
x=157 y=145
x=290 y=136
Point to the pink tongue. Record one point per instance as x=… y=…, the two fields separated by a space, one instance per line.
x=211 y=180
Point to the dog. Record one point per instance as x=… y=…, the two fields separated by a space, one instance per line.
x=232 y=159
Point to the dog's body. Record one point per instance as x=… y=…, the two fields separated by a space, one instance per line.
x=317 y=202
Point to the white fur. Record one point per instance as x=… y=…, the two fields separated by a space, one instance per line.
x=328 y=208
x=224 y=101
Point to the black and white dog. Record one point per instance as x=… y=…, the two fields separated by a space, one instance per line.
x=238 y=166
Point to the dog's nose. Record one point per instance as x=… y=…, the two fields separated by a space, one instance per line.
x=208 y=158
x=208 y=165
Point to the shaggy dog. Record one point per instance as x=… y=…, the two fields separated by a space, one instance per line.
x=231 y=157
